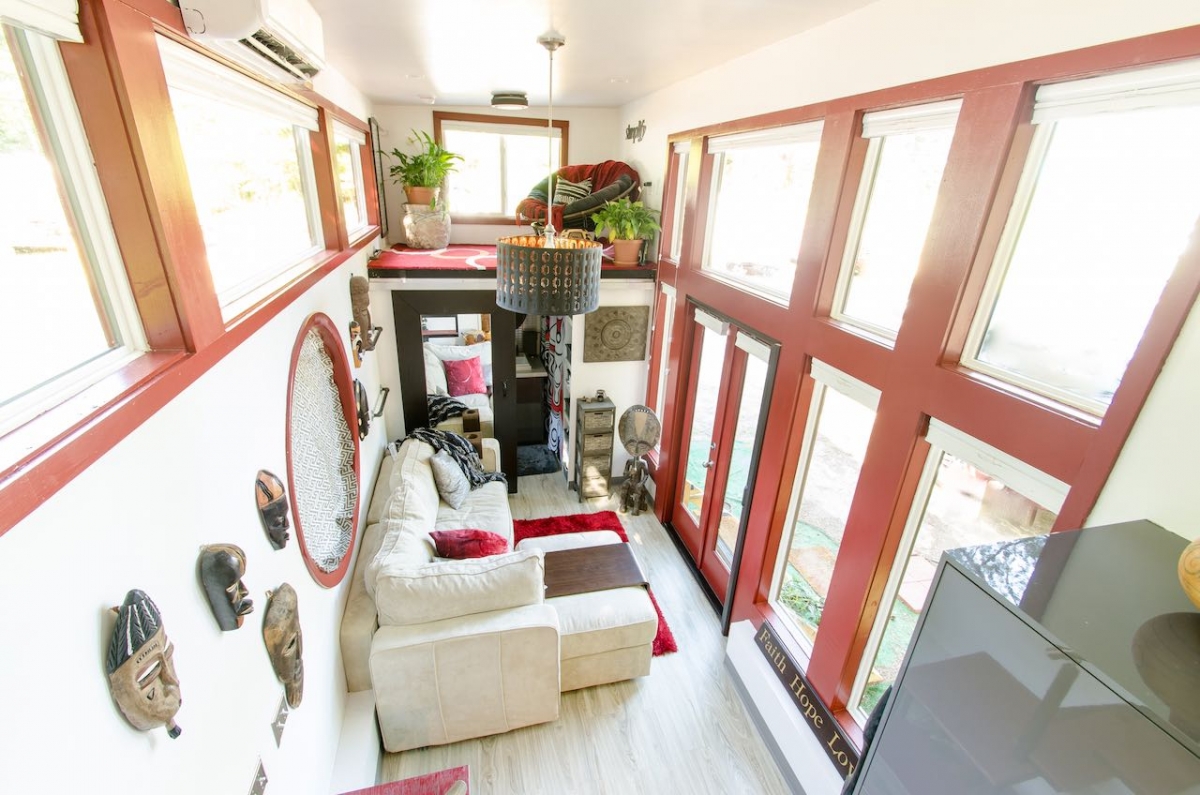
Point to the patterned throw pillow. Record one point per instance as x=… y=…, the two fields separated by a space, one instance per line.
x=566 y=192
x=462 y=544
x=465 y=377
x=451 y=482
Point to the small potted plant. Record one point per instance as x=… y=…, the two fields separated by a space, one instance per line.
x=628 y=224
x=426 y=222
x=422 y=173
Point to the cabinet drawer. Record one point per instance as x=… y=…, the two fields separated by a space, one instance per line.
x=597 y=420
x=594 y=487
x=597 y=443
x=594 y=466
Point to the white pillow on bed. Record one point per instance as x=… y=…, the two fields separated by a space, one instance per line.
x=451 y=353
x=435 y=375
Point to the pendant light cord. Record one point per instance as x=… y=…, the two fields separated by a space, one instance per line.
x=551 y=40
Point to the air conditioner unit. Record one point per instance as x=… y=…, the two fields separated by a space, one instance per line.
x=282 y=39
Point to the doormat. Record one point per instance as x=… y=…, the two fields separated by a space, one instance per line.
x=536 y=459
x=664 y=640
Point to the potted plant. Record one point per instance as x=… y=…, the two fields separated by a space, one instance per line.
x=628 y=224
x=422 y=173
x=426 y=223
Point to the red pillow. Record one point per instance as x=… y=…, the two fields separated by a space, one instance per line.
x=465 y=377
x=460 y=544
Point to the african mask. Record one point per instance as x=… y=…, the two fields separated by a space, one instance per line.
x=360 y=306
x=140 y=665
x=273 y=507
x=222 y=567
x=285 y=644
x=363 y=409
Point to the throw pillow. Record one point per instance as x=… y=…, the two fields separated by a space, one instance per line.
x=451 y=481
x=465 y=377
x=578 y=214
x=435 y=376
x=462 y=544
x=566 y=192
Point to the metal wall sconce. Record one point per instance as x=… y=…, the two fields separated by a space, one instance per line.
x=636 y=134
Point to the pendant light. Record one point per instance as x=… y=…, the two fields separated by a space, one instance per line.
x=546 y=275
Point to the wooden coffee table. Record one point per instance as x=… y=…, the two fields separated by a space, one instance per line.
x=598 y=568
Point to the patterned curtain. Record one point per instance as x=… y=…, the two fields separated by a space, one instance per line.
x=557 y=361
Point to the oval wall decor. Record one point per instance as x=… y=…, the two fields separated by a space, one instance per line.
x=322 y=450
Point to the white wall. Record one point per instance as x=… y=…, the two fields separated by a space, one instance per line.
x=136 y=519
x=331 y=84
x=1156 y=475
x=592 y=138
x=892 y=42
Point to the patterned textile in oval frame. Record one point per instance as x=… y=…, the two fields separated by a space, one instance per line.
x=322 y=450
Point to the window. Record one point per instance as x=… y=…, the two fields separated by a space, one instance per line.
x=502 y=160
x=970 y=494
x=840 y=418
x=249 y=162
x=1103 y=211
x=66 y=310
x=900 y=181
x=761 y=185
x=680 y=152
x=347 y=157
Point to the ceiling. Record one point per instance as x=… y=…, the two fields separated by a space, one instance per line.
x=457 y=52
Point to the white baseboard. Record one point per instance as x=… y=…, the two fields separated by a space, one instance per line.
x=360 y=752
x=797 y=752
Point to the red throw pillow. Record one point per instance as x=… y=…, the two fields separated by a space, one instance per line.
x=460 y=544
x=465 y=377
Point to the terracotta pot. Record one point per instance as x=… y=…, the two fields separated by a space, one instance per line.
x=425 y=196
x=626 y=252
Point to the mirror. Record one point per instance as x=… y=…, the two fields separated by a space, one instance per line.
x=458 y=369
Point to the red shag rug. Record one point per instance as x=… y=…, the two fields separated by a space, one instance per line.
x=664 y=641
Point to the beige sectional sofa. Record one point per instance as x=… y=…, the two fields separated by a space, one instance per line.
x=462 y=649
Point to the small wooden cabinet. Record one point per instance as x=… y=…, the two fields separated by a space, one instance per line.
x=594 y=423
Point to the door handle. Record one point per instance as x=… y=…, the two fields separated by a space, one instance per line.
x=504 y=388
x=707 y=464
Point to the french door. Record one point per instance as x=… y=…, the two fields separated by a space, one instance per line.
x=724 y=412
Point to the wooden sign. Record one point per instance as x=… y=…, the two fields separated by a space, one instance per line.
x=837 y=746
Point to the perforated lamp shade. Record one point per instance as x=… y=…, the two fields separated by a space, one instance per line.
x=535 y=280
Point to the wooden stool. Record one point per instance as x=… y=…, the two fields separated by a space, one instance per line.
x=470 y=420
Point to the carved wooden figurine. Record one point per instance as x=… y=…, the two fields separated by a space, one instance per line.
x=221 y=568
x=140 y=666
x=285 y=644
x=273 y=507
x=633 y=494
x=360 y=306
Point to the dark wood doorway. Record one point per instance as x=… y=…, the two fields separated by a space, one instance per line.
x=407 y=308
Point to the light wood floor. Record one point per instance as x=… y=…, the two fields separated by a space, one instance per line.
x=682 y=729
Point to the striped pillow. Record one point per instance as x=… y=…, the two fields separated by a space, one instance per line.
x=566 y=192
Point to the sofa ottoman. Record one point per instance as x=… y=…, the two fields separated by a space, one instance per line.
x=604 y=636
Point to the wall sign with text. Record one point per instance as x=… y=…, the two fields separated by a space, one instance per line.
x=837 y=746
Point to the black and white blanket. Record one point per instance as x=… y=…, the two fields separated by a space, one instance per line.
x=461 y=451
x=443 y=407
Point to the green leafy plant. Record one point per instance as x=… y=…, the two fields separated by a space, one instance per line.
x=425 y=169
x=626 y=220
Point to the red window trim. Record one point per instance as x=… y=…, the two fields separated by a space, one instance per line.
x=153 y=381
x=987 y=156
x=120 y=89
x=562 y=125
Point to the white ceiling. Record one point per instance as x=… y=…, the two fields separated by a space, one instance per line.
x=456 y=52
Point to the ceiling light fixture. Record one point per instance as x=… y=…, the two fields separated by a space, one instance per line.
x=545 y=275
x=509 y=100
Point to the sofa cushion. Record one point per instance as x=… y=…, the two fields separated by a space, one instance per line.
x=410 y=512
x=486 y=509
x=465 y=544
x=464 y=377
x=600 y=621
x=451 y=481
x=413 y=594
